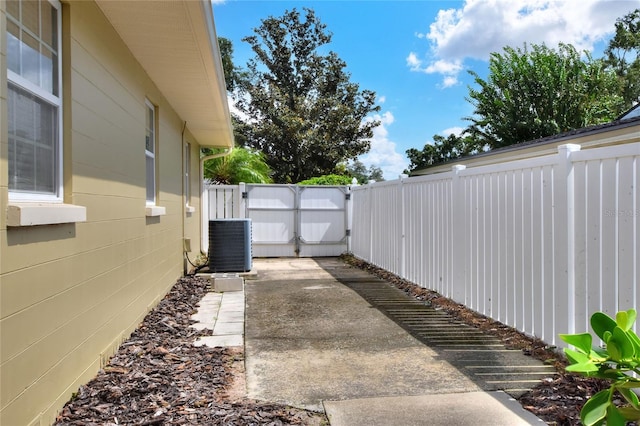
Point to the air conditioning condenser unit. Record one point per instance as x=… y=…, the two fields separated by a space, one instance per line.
x=230 y=245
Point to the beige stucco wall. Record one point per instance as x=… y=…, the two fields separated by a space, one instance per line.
x=70 y=293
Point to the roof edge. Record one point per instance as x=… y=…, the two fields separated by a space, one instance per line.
x=541 y=142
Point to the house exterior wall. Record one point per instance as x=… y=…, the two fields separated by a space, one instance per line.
x=71 y=293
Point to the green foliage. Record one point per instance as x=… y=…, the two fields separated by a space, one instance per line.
x=363 y=175
x=536 y=92
x=623 y=56
x=442 y=150
x=327 y=180
x=304 y=113
x=233 y=75
x=619 y=358
x=242 y=165
x=226 y=53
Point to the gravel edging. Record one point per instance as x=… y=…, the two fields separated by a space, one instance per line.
x=157 y=377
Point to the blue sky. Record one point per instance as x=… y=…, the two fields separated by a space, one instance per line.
x=416 y=54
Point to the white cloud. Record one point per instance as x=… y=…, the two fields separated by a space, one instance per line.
x=480 y=27
x=382 y=99
x=383 y=151
x=444 y=67
x=455 y=130
x=449 y=69
x=413 y=62
x=448 y=81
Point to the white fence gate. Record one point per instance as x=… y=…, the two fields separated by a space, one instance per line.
x=287 y=220
x=538 y=244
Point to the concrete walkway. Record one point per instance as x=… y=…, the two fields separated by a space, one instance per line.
x=312 y=342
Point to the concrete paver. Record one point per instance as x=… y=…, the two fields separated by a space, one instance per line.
x=220 y=340
x=223 y=314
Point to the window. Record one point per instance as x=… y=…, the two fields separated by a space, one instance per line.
x=34 y=100
x=150 y=152
x=189 y=209
x=187 y=174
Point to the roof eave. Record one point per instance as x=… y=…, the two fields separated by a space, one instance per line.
x=177 y=47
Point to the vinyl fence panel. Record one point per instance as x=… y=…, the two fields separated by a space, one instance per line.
x=538 y=244
x=607 y=207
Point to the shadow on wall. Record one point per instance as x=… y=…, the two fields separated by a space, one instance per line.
x=41 y=233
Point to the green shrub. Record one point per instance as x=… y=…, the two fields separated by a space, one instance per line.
x=616 y=361
x=328 y=180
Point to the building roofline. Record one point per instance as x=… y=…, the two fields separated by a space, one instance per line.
x=536 y=146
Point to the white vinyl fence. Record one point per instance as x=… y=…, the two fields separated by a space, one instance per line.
x=538 y=244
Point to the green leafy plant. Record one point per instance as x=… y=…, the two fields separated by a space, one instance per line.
x=616 y=361
x=328 y=180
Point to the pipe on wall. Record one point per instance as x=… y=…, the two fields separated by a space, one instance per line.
x=204 y=220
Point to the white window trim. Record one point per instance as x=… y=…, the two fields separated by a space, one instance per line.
x=187 y=179
x=152 y=107
x=22 y=196
x=152 y=209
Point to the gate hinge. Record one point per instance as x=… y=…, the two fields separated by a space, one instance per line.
x=348 y=232
x=245 y=195
x=347 y=196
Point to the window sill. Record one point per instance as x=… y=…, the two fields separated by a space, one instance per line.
x=32 y=214
x=153 y=211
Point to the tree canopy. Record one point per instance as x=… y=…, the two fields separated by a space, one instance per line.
x=304 y=113
x=332 y=179
x=537 y=91
x=442 y=150
x=623 y=56
x=230 y=70
x=530 y=93
x=356 y=169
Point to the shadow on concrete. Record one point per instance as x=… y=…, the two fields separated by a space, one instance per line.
x=483 y=358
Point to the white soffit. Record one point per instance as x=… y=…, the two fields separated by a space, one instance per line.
x=176 y=44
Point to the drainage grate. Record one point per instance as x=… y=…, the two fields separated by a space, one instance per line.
x=483 y=357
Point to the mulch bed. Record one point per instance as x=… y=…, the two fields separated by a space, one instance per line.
x=157 y=377
x=557 y=401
